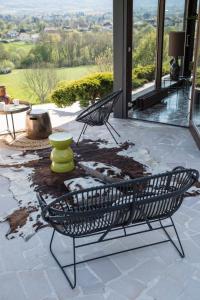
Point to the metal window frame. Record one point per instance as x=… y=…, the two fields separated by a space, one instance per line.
x=160 y=40
x=122 y=42
x=193 y=128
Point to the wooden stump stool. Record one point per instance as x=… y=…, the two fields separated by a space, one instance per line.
x=62 y=156
x=38 y=124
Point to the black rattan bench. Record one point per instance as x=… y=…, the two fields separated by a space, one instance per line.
x=120 y=207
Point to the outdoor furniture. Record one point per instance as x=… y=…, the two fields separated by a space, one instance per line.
x=99 y=113
x=38 y=124
x=62 y=156
x=11 y=109
x=139 y=203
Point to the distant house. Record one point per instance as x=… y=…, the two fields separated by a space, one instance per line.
x=152 y=21
x=51 y=30
x=67 y=28
x=169 y=21
x=34 y=37
x=28 y=37
x=23 y=30
x=107 y=26
x=24 y=37
x=12 y=34
x=83 y=28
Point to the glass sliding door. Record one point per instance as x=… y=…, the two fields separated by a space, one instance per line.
x=144 y=46
x=175 y=107
x=169 y=101
x=195 y=116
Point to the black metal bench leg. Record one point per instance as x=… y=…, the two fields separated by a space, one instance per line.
x=180 y=248
x=71 y=283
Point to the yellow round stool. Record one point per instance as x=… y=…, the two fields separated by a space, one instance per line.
x=62 y=156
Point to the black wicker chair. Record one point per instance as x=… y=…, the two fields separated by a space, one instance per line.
x=99 y=113
x=96 y=212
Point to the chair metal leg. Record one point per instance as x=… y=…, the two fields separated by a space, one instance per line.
x=85 y=129
x=113 y=129
x=180 y=249
x=111 y=133
x=71 y=283
x=82 y=132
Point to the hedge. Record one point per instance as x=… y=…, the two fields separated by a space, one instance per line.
x=85 y=90
x=97 y=85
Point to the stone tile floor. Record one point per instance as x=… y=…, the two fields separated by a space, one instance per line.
x=27 y=271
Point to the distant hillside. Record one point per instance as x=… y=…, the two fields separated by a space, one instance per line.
x=153 y=3
x=53 y=6
x=59 y=6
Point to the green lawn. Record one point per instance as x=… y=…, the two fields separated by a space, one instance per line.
x=15 y=81
x=18 y=45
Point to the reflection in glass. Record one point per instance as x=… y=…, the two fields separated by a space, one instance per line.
x=174 y=21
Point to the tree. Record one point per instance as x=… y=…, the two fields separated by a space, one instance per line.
x=3 y=53
x=41 y=80
x=104 y=61
x=145 y=53
x=2 y=27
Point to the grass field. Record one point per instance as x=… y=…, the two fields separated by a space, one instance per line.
x=15 y=81
x=18 y=45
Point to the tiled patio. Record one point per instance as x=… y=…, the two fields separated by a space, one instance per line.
x=27 y=271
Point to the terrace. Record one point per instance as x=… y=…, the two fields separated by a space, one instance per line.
x=146 y=147
x=155 y=272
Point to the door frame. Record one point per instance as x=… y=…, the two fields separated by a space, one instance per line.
x=193 y=128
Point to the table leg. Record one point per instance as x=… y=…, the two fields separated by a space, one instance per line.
x=8 y=129
x=13 y=126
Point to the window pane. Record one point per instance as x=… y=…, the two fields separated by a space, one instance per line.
x=144 y=46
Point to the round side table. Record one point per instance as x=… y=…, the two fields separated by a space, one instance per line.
x=11 y=109
x=62 y=156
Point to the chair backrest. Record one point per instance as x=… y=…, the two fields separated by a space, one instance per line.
x=100 y=110
x=108 y=206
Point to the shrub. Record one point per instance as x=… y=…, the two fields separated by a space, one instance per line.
x=85 y=90
x=165 y=69
x=145 y=72
x=5 y=71
x=136 y=82
x=28 y=61
x=198 y=78
x=6 y=64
